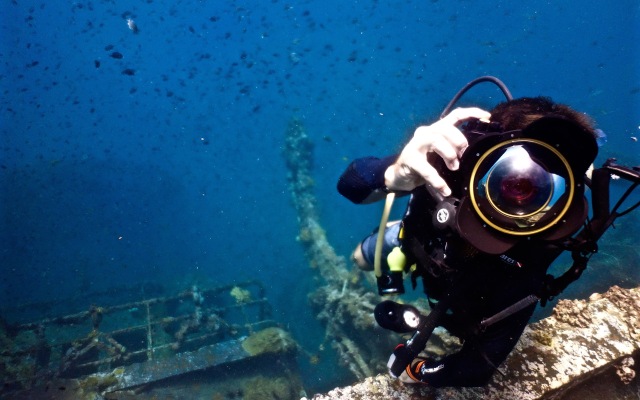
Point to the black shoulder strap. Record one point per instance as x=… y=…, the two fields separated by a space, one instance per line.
x=554 y=286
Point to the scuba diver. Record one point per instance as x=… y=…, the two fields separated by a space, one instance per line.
x=495 y=198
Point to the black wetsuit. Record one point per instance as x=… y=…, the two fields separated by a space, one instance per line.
x=480 y=285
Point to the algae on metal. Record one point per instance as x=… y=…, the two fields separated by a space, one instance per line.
x=240 y=295
x=262 y=388
x=270 y=340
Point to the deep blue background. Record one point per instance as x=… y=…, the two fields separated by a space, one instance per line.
x=174 y=175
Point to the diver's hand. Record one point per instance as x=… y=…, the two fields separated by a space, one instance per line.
x=412 y=169
x=412 y=373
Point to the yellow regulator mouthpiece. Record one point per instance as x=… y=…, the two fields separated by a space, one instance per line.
x=396 y=260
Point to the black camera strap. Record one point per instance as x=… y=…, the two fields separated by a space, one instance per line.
x=554 y=286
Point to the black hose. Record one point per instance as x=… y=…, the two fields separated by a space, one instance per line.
x=461 y=92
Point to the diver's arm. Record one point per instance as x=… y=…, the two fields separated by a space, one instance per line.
x=412 y=169
x=363 y=180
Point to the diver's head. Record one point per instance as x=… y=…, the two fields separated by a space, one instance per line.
x=518 y=113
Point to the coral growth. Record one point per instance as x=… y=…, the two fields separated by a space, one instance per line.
x=625 y=370
x=270 y=340
x=101 y=381
x=261 y=388
x=242 y=296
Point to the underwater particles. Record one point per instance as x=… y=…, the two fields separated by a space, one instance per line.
x=132 y=25
x=117 y=56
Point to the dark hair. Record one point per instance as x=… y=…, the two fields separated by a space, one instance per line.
x=518 y=113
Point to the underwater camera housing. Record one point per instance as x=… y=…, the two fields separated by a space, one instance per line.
x=520 y=184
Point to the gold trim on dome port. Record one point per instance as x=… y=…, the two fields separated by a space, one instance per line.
x=508 y=143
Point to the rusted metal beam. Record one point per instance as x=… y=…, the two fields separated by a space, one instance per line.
x=157 y=369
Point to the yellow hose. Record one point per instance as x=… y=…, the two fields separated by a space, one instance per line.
x=377 y=267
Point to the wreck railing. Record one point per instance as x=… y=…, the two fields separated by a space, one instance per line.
x=344 y=305
x=103 y=338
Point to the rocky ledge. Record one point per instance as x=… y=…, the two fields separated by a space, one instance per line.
x=587 y=349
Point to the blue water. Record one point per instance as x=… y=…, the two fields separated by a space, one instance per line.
x=165 y=165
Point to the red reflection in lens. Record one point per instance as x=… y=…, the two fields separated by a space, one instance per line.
x=517 y=189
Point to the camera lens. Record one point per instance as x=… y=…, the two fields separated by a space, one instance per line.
x=518 y=185
x=517 y=189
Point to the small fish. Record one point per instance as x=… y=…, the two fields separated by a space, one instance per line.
x=635 y=139
x=129 y=72
x=116 y=55
x=132 y=25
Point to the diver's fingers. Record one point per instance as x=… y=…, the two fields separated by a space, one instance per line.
x=449 y=143
x=442 y=138
x=463 y=114
x=412 y=169
x=431 y=136
x=431 y=176
x=454 y=140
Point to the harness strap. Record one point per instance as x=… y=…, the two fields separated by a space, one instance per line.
x=512 y=309
x=554 y=286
